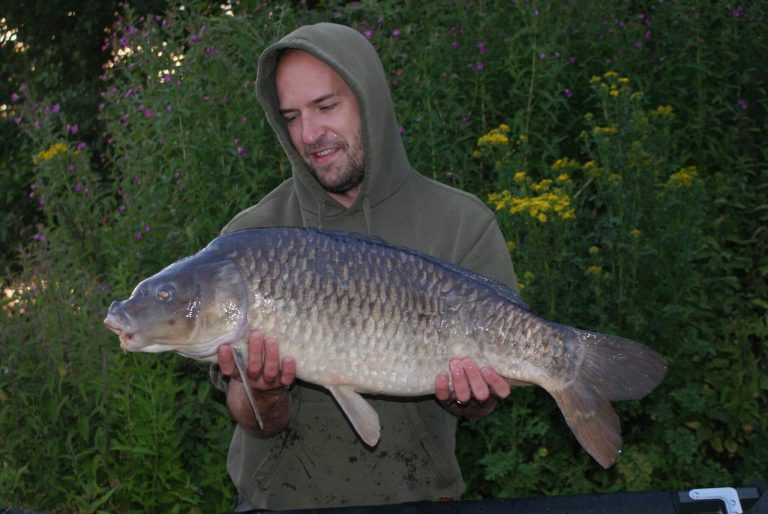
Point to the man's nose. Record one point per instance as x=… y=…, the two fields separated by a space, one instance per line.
x=311 y=129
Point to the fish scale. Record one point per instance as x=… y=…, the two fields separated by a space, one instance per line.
x=362 y=316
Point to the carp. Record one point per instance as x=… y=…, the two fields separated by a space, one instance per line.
x=361 y=316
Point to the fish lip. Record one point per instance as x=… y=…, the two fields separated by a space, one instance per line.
x=116 y=325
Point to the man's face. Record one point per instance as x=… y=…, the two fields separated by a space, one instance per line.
x=323 y=121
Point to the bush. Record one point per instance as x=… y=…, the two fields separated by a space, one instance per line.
x=619 y=144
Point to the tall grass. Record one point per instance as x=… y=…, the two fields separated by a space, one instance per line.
x=622 y=147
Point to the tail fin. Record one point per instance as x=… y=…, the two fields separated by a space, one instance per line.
x=612 y=368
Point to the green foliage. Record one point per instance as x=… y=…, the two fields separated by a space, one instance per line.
x=622 y=147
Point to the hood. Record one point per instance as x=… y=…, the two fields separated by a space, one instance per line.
x=351 y=55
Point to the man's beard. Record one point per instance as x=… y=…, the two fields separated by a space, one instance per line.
x=350 y=177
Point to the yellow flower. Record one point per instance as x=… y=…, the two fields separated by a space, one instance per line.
x=614 y=92
x=497 y=136
x=560 y=164
x=511 y=246
x=635 y=233
x=51 y=152
x=594 y=250
x=523 y=138
x=563 y=177
x=684 y=177
x=611 y=129
x=663 y=110
x=520 y=176
x=594 y=270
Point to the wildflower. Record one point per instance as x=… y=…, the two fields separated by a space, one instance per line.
x=684 y=177
x=15 y=97
x=662 y=110
x=511 y=246
x=609 y=130
x=496 y=136
x=594 y=250
x=368 y=33
x=72 y=129
x=481 y=47
x=594 y=270
x=560 y=164
x=455 y=45
x=479 y=66
x=519 y=176
x=568 y=93
x=742 y=104
x=149 y=113
x=634 y=233
x=396 y=33
x=563 y=177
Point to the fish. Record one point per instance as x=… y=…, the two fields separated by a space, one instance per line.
x=361 y=316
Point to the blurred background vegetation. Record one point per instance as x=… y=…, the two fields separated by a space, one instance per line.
x=622 y=145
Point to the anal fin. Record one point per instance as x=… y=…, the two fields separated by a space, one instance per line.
x=360 y=413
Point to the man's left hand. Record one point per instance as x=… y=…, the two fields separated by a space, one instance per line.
x=475 y=390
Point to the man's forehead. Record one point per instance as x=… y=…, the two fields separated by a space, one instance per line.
x=299 y=71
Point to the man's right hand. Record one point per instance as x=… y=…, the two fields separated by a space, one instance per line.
x=268 y=379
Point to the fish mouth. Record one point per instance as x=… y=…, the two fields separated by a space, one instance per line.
x=113 y=323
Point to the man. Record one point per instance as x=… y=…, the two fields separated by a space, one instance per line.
x=325 y=94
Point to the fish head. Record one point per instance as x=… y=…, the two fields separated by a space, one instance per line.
x=191 y=308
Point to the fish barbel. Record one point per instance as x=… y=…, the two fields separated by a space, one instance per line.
x=361 y=316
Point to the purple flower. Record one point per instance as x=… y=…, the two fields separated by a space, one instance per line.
x=146 y=228
x=121 y=209
x=124 y=42
x=149 y=113
x=396 y=33
x=72 y=129
x=78 y=187
x=568 y=93
x=738 y=11
x=481 y=47
x=71 y=167
x=137 y=236
x=479 y=66
x=401 y=130
x=15 y=97
x=368 y=33
x=80 y=147
x=455 y=45
x=38 y=238
x=742 y=104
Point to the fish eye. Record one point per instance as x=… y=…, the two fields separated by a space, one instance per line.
x=164 y=294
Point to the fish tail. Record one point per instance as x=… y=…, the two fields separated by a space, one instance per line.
x=611 y=368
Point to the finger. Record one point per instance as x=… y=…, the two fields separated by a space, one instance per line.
x=477 y=384
x=255 y=353
x=442 y=386
x=288 y=372
x=271 y=359
x=496 y=382
x=460 y=384
x=226 y=362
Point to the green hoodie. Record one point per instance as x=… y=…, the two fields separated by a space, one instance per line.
x=318 y=460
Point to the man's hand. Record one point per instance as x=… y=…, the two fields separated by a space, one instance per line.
x=475 y=391
x=268 y=378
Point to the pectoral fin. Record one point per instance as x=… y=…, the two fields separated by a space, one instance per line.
x=363 y=417
x=237 y=354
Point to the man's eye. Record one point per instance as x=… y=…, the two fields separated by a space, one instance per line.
x=327 y=107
